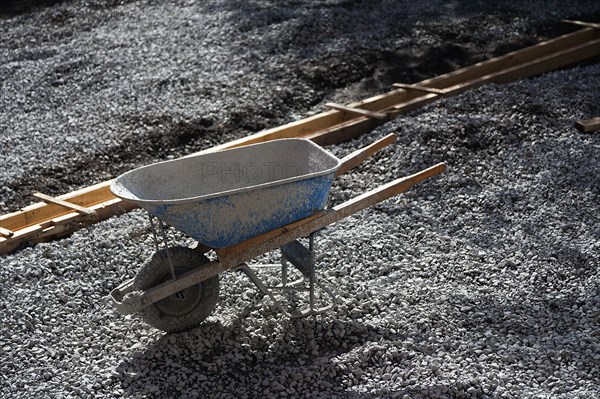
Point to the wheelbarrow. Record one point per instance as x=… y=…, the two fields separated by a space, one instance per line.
x=238 y=204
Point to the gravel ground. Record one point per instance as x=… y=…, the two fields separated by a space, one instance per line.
x=483 y=282
x=90 y=89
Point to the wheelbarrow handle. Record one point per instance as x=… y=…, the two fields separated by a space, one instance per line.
x=357 y=157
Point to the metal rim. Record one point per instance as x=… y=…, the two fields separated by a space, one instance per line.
x=182 y=302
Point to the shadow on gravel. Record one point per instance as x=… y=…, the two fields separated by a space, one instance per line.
x=451 y=41
x=15 y=7
x=239 y=358
x=18 y=7
x=534 y=332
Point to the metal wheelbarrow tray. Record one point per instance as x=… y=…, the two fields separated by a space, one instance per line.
x=177 y=288
x=225 y=197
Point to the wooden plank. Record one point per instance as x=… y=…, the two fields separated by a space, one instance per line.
x=583 y=23
x=542 y=64
x=357 y=157
x=41 y=211
x=30 y=231
x=293 y=129
x=64 y=225
x=588 y=125
x=358 y=111
x=552 y=61
x=344 y=131
x=512 y=59
x=65 y=204
x=420 y=88
x=327 y=120
x=6 y=232
x=354 y=128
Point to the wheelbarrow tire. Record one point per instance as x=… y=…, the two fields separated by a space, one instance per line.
x=189 y=307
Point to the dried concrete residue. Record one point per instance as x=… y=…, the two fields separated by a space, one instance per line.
x=227 y=172
x=223 y=221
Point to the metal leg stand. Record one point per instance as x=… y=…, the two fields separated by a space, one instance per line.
x=304 y=260
x=163 y=234
x=166 y=244
x=261 y=286
x=153 y=232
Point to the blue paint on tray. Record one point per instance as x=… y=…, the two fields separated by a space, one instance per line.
x=210 y=222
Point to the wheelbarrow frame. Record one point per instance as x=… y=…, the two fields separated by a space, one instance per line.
x=127 y=300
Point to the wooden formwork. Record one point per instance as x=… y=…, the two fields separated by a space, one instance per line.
x=56 y=217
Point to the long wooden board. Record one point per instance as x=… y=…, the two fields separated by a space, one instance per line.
x=329 y=127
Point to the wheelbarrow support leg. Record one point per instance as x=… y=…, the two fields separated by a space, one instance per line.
x=154 y=236
x=263 y=288
x=304 y=260
x=166 y=244
x=311 y=248
x=163 y=234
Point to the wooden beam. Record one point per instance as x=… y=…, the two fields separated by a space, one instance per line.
x=335 y=121
x=357 y=157
x=420 y=88
x=588 y=125
x=358 y=111
x=549 y=62
x=344 y=131
x=539 y=65
x=513 y=58
x=68 y=205
x=6 y=232
x=63 y=225
x=583 y=23
x=41 y=211
x=356 y=127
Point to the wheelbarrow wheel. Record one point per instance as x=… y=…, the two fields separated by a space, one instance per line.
x=189 y=307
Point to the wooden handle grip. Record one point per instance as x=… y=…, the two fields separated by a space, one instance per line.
x=357 y=157
x=386 y=191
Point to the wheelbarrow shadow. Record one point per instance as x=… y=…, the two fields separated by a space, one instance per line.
x=232 y=356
